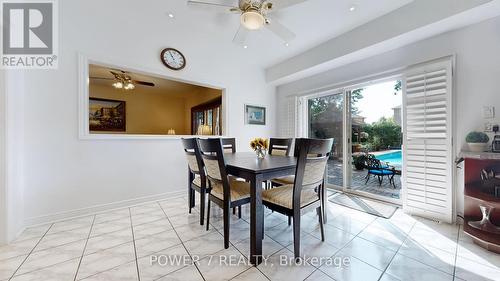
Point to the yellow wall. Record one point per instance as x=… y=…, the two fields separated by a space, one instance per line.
x=153 y=113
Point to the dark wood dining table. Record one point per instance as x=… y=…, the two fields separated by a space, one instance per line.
x=246 y=165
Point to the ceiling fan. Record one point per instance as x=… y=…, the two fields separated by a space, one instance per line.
x=254 y=15
x=123 y=80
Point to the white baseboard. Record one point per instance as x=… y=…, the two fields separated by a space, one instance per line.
x=55 y=217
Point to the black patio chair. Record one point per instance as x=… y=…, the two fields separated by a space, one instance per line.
x=376 y=168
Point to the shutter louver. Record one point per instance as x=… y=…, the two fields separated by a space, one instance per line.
x=288 y=118
x=427 y=168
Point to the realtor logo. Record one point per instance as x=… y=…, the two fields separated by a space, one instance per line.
x=29 y=34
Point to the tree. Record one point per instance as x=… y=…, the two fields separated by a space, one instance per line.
x=383 y=134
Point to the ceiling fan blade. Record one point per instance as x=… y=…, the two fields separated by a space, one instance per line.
x=282 y=4
x=226 y=6
x=144 y=83
x=241 y=36
x=102 y=78
x=280 y=30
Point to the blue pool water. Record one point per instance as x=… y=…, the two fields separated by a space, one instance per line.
x=394 y=158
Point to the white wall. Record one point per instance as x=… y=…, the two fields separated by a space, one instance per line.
x=476 y=75
x=3 y=201
x=63 y=173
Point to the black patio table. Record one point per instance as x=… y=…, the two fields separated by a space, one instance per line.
x=246 y=165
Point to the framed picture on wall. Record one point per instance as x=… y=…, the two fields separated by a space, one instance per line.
x=255 y=115
x=107 y=115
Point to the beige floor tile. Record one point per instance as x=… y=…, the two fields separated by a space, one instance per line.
x=428 y=255
x=20 y=248
x=108 y=240
x=186 y=273
x=106 y=260
x=311 y=246
x=62 y=271
x=269 y=246
x=223 y=265
x=52 y=256
x=204 y=245
x=334 y=236
x=154 y=227
x=470 y=270
x=405 y=268
x=9 y=266
x=281 y=266
x=156 y=242
x=318 y=275
x=383 y=237
x=371 y=253
x=164 y=262
x=250 y=274
x=354 y=269
x=125 y=272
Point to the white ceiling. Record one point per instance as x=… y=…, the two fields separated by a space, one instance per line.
x=314 y=22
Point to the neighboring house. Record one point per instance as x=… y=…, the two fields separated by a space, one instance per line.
x=397 y=115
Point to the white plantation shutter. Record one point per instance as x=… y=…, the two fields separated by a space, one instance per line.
x=427 y=168
x=288 y=118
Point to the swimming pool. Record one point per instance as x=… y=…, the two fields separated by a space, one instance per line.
x=394 y=158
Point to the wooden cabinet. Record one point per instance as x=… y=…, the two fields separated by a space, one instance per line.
x=482 y=204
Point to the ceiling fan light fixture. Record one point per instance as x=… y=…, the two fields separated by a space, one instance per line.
x=252 y=20
x=118 y=85
x=129 y=86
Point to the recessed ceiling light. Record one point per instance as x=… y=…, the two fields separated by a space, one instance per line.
x=352 y=8
x=170 y=15
x=244 y=47
x=287 y=44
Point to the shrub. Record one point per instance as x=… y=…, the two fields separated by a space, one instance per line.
x=477 y=137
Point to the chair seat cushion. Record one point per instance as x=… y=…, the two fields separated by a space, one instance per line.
x=282 y=196
x=239 y=189
x=284 y=180
x=197 y=181
x=381 y=172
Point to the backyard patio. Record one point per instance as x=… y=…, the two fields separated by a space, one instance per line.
x=335 y=177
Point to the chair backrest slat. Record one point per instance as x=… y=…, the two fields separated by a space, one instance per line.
x=193 y=156
x=212 y=152
x=229 y=145
x=280 y=147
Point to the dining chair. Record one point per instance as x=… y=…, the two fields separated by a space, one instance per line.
x=197 y=180
x=225 y=191
x=288 y=179
x=280 y=147
x=229 y=145
x=306 y=193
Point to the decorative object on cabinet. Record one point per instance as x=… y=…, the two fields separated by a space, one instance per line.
x=477 y=141
x=481 y=203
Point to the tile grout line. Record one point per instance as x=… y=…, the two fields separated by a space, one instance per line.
x=182 y=242
x=397 y=251
x=341 y=248
x=133 y=242
x=84 y=248
x=253 y=266
x=27 y=256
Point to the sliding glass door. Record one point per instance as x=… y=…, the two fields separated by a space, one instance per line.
x=325 y=119
x=365 y=123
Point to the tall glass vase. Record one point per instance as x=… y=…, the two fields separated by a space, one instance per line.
x=260 y=153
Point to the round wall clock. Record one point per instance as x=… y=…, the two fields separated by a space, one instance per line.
x=173 y=59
